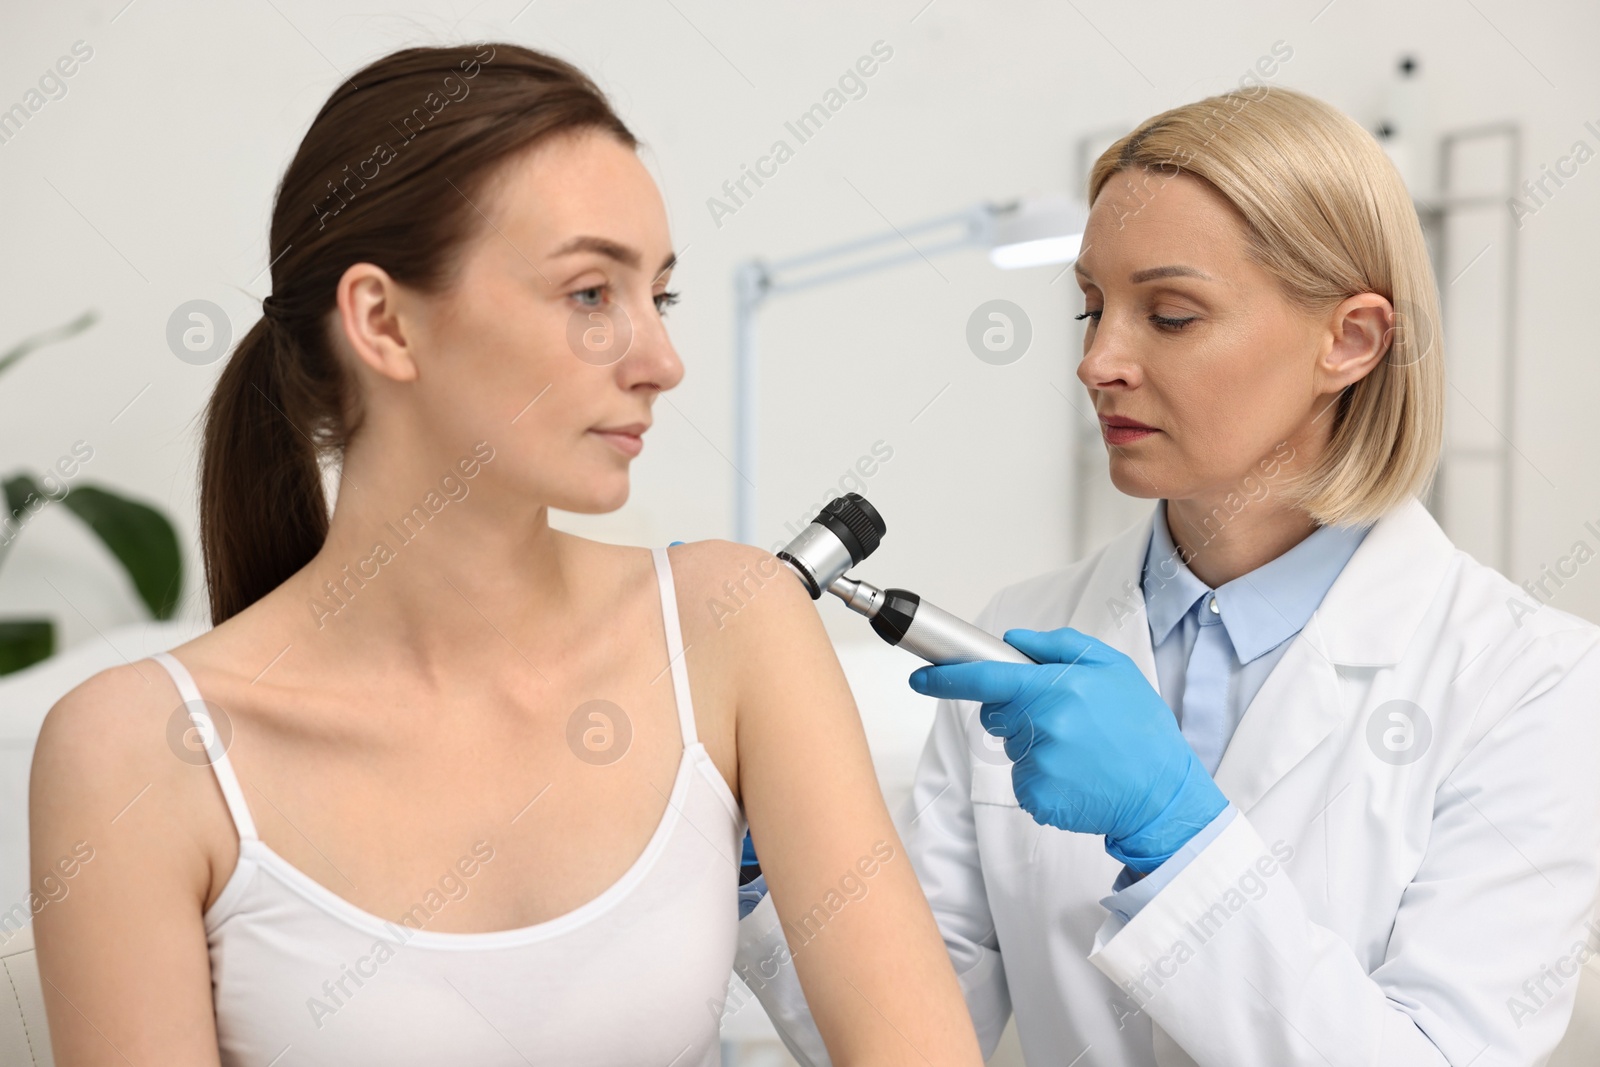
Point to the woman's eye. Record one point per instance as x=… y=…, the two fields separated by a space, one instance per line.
x=591 y=297
x=1163 y=321
x=665 y=300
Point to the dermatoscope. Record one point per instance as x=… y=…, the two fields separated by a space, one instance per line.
x=846 y=531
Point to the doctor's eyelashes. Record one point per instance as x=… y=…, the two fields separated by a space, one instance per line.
x=1163 y=321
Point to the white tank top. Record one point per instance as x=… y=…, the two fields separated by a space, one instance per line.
x=638 y=975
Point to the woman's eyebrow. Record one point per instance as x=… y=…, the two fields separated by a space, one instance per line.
x=1151 y=273
x=623 y=254
x=605 y=247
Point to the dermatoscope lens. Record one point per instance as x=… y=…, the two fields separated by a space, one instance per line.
x=846 y=531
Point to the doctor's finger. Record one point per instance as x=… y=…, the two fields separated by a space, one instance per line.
x=986 y=682
x=1008 y=721
x=1061 y=645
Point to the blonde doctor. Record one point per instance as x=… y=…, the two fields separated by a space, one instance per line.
x=1295 y=780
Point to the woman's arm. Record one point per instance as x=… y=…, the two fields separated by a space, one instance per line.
x=122 y=951
x=868 y=953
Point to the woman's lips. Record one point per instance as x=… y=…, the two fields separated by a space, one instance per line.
x=1118 y=430
x=629 y=444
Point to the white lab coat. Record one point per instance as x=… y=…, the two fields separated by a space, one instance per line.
x=1358 y=910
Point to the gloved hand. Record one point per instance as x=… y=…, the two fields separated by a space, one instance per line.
x=1094 y=749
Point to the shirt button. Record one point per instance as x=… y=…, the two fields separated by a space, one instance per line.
x=1215 y=610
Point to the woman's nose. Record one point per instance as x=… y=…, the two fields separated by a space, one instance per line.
x=651 y=359
x=1108 y=359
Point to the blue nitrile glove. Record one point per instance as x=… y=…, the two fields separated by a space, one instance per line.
x=1094 y=749
x=753 y=884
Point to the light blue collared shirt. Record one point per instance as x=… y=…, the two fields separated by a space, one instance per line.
x=1260 y=611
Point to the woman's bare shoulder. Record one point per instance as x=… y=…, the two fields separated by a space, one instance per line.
x=730 y=589
x=108 y=760
x=112 y=724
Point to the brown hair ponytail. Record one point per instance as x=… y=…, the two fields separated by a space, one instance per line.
x=388 y=173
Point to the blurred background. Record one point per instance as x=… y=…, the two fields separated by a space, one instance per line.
x=142 y=182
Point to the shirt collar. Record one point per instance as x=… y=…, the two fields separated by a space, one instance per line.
x=1170 y=588
x=1261 y=609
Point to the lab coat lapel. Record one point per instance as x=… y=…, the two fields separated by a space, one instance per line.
x=1295 y=708
x=1366 y=619
x=1112 y=605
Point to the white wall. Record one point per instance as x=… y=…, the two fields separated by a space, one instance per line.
x=149 y=184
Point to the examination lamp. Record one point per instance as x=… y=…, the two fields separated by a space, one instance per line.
x=1035 y=231
x=846 y=531
x=1027 y=232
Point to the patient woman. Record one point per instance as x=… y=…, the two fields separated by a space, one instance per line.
x=443 y=784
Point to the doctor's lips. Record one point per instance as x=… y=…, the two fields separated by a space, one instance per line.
x=1120 y=431
x=628 y=440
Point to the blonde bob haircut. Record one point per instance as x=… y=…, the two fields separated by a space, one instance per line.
x=1329 y=217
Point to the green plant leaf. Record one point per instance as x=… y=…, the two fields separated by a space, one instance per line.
x=18 y=489
x=141 y=538
x=24 y=642
x=48 y=337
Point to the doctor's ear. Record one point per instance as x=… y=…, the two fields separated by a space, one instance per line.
x=1361 y=329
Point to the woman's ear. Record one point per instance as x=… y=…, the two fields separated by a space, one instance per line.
x=1362 y=329
x=369 y=318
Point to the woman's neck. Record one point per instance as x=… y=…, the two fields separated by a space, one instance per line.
x=440 y=587
x=1219 y=543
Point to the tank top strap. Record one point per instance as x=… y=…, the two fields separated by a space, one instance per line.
x=680 y=669
x=215 y=746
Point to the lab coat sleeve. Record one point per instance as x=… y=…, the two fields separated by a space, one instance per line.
x=937 y=828
x=1240 y=976
x=1130 y=893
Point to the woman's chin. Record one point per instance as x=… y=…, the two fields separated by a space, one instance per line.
x=606 y=493
x=1133 y=481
